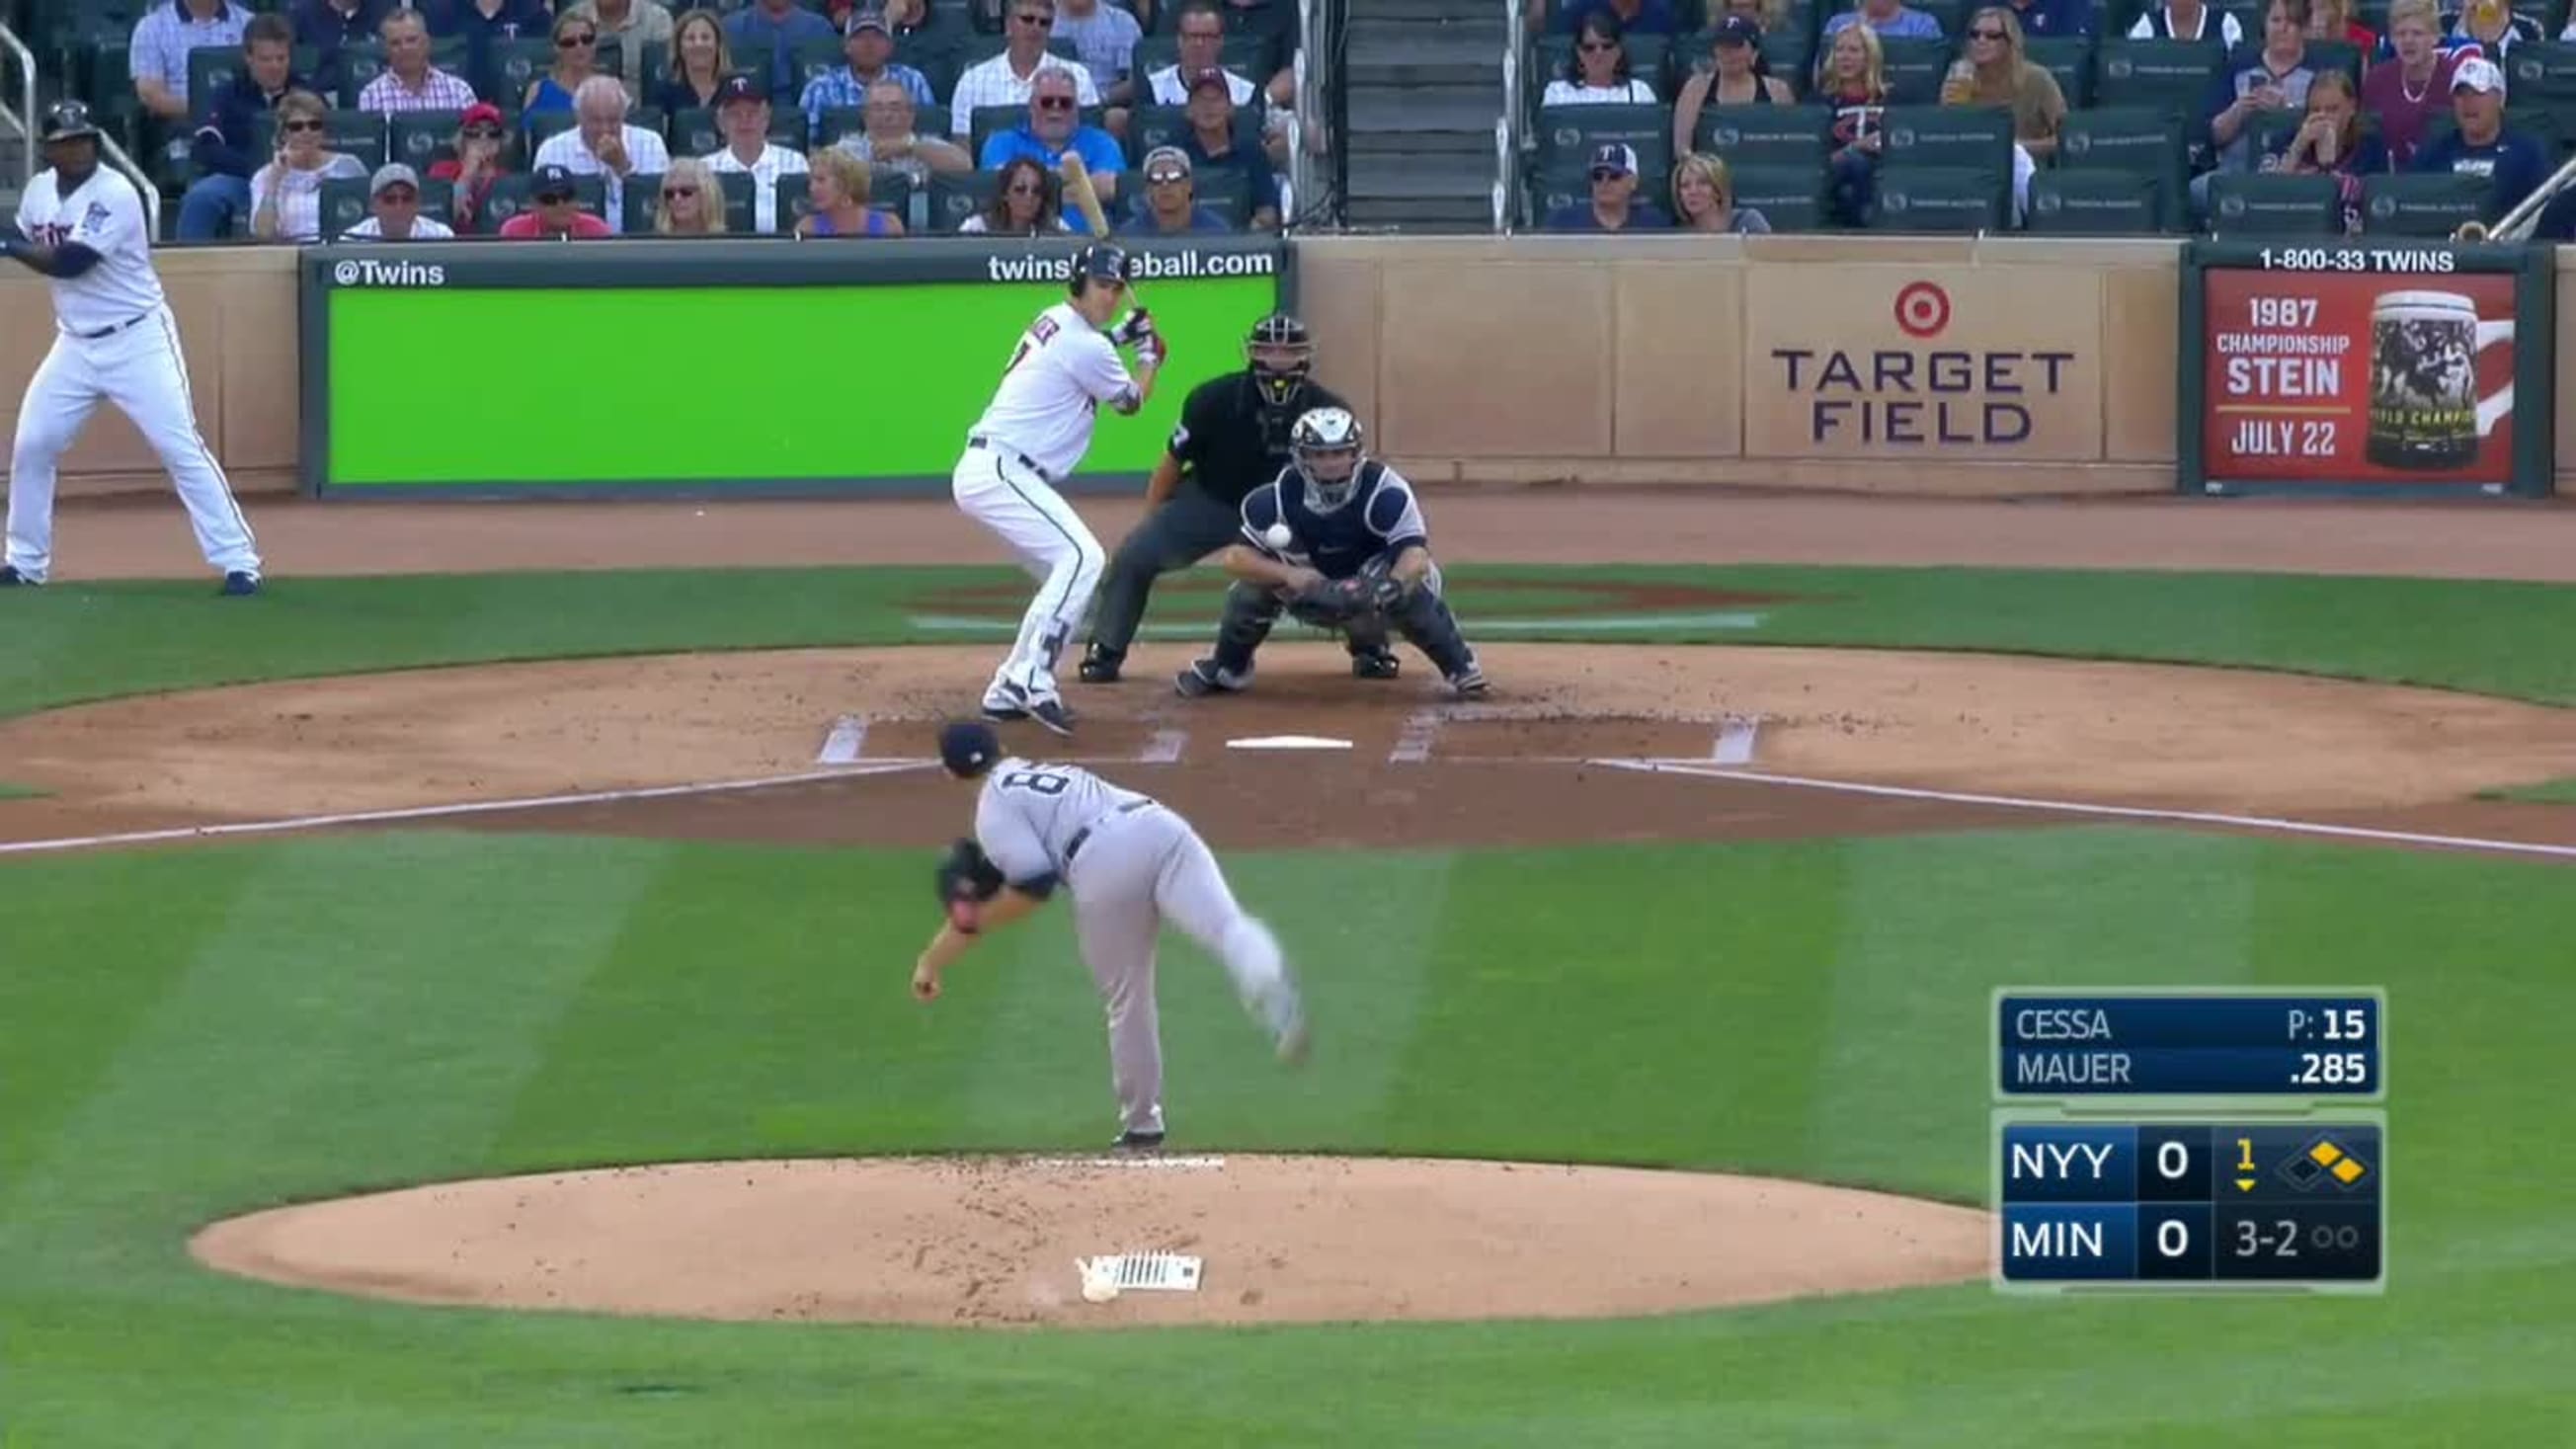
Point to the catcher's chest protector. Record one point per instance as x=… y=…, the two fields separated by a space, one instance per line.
x=1336 y=543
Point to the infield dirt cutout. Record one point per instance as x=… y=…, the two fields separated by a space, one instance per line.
x=993 y=1241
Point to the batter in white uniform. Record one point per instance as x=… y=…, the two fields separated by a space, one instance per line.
x=82 y=225
x=1029 y=440
x=1131 y=864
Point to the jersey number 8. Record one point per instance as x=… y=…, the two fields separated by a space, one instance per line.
x=1036 y=782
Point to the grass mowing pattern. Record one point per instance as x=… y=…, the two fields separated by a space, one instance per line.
x=304 y=1017
x=81 y=642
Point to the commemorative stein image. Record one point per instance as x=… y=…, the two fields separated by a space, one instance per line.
x=2425 y=412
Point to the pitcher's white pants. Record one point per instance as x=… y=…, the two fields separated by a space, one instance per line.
x=141 y=371
x=1000 y=492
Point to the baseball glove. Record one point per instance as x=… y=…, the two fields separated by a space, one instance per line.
x=966 y=879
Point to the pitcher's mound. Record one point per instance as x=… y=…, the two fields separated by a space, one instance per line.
x=993 y=1240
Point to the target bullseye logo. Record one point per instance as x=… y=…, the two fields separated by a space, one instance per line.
x=1922 y=310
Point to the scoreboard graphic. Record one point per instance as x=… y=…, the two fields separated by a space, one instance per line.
x=2168 y=1140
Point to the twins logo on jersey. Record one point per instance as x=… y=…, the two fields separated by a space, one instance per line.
x=1380 y=514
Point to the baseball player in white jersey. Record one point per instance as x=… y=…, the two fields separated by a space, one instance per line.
x=1131 y=864
x=1029 y=440
x=82 y=225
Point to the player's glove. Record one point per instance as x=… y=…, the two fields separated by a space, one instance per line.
x=966 y=879
x=1385 y=593
x=1151 y=350
x=1135 y=327
x=1331 y=603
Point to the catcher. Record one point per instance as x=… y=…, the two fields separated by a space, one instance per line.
x=1337 y=542
x=1131 y=865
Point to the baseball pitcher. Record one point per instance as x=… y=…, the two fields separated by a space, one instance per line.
x=1029 y=439
x=82 y=225
x=1130 y=864
x=1338 y=542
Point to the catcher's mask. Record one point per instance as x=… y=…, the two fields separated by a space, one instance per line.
x=1327 y=446
x=1282 y=356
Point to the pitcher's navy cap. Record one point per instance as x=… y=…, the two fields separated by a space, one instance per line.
x=968 y=747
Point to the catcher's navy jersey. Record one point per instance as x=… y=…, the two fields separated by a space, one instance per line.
x=1381 y=515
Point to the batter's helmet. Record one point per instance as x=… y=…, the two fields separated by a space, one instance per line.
x=1276 y=333
x=69 y=121
x=1102 y=261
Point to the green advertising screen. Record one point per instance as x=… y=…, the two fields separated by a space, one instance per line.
x=702 y=367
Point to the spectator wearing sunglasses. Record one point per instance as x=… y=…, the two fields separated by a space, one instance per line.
x=1614 y=205
x=473 y=163
x=782 y=25
x=1053 y=128
x=1025 y=203
x=393 y=210
x=692 y=203
x=1009 y=78
x=1597 y=73
x=576 y=60
x=1996 y=71
x=1171 y=203
x=554 y=212
x=286 y=195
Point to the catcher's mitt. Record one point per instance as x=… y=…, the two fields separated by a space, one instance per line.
x=1340 y=603
x=966 y=879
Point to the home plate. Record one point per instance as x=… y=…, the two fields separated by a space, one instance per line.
x=1287 y=742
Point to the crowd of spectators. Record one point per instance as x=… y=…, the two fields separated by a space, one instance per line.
x=2299 y=87
x=530 y=109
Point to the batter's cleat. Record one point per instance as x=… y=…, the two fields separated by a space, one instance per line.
x=1099 y=666
x=1204 y=678
x=1469 y=683
x=1378 y=662
x=1053 y=715
x=240 y=585
x=1286 y=1013
x=10 y=578
x=1138 y=1142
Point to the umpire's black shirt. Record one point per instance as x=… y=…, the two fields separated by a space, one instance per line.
x=1231 y=441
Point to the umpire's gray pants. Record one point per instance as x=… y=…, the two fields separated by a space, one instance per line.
x=1132 y=874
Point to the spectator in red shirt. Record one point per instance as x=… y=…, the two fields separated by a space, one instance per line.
x=553 y=214
x=473 y=163
x=2405 y=93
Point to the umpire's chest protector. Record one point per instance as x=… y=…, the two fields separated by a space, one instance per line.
x=1339 y=541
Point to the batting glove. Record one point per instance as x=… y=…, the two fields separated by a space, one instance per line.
x=1135 y=327
x=1150 y=351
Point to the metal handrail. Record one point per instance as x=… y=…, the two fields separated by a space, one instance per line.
x=2516 y=225
x=26 y=119
x=1301 y=167
x=1507 y=126
x=116 y=157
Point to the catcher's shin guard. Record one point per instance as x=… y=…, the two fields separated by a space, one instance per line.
x=1249 y=613
x=1426 y=624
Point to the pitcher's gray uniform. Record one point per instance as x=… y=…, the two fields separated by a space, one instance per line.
x=1131 y=864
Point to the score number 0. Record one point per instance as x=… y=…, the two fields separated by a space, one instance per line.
x=2173 y=1164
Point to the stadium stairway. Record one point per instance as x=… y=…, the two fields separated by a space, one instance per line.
x=1426 y=86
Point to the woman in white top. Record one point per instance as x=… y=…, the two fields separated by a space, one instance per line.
x=286 y=195
x=1598 y=73
x=1024 y=203
x=2187 y=20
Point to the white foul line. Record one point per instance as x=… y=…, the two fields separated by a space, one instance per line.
x=2117 y=812
x=849 y=736
x=1735 y=741
x=1413 y=745
x=440 y=812
x=1164 y=748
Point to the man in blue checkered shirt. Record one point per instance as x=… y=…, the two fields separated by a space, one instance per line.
x=868 y=45
x=162 y=40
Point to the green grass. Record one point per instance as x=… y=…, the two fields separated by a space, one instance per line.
x=309 y=1017
x=2561 y=791
x=79 y=642
x=20 y=792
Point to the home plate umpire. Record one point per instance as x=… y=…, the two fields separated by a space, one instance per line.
x=1232 y=438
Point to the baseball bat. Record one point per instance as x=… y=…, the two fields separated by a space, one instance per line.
x=1077 y=184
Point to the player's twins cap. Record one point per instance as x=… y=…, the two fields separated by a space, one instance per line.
x=967 y=747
